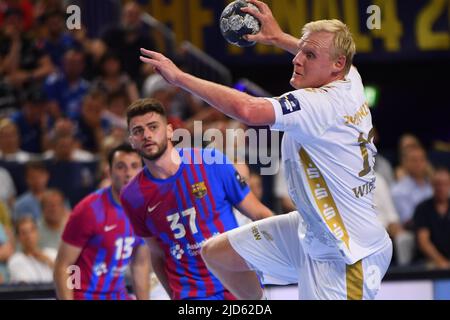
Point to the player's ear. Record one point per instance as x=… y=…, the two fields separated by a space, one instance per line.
x=130 y=140
x=169 y=131
x=339 y=64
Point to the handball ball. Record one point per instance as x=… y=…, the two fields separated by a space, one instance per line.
x=234 y=24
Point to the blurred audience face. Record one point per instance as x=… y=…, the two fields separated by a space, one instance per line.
x=111 y=67
x=55 y=25
x=92 y=110
x=28 y=234
x=64 y=126
x=73 y=64
x=255 y=184
x=131 y=16
x=37 y=179
x=408 y=141
x=118 y=105
x=415 y=162
x=9 y=137
x=166 y=96
x=63 y=148
x=441 y=184
x=12 y=25
x=125 y=166
x=34 y=111
x=53 y=209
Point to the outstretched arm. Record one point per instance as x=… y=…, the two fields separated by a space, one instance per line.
x=237 y=105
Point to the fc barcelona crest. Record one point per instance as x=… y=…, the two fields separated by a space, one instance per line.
x=199 y=190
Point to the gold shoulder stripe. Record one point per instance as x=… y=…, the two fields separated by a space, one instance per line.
x=323 y=198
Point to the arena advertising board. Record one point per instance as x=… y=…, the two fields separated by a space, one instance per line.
x=383 y=29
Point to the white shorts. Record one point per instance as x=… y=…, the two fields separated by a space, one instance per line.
x=273 y=249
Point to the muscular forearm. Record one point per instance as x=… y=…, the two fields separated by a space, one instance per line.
x=287 y=42
x=235 y=104
x=270 y=32
x=256 y=211
x=263 y=212
x=141 y=282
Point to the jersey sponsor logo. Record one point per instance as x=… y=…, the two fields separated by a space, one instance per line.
x=119 y=270
x=323 y=198
x=267 y=235
x=359 y=116
x=241 y=180
x=151 y=209
x=256 y=233
x=289 y=104
x=373 y=275
x=110 y=228
x=364 y=190
x=199 y=189
x=193 y=249
x=177 y=252
x=100 y=269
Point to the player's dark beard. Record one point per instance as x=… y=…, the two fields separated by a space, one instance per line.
x=152 y=157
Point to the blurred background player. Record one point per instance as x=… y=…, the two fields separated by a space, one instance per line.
x=100 y=240
x=181 y=199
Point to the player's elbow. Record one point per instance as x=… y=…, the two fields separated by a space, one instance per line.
x=245 y=115
x=265 y=213
x=247 y=111
x=255 y=112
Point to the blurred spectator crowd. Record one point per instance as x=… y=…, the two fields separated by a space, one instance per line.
x=63 y=97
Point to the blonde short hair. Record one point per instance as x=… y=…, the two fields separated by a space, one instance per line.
x=344 y=45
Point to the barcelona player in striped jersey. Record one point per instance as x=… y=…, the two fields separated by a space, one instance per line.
x=179 y=200
x=98 y=242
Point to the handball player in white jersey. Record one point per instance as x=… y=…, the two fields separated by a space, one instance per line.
x=334 y=247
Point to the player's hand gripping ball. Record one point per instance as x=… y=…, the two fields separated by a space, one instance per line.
x=234 y=24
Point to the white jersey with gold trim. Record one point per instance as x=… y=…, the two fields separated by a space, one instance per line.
x=328 y=153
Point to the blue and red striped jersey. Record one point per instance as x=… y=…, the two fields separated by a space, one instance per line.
x=99 y=225
x=185 y=210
